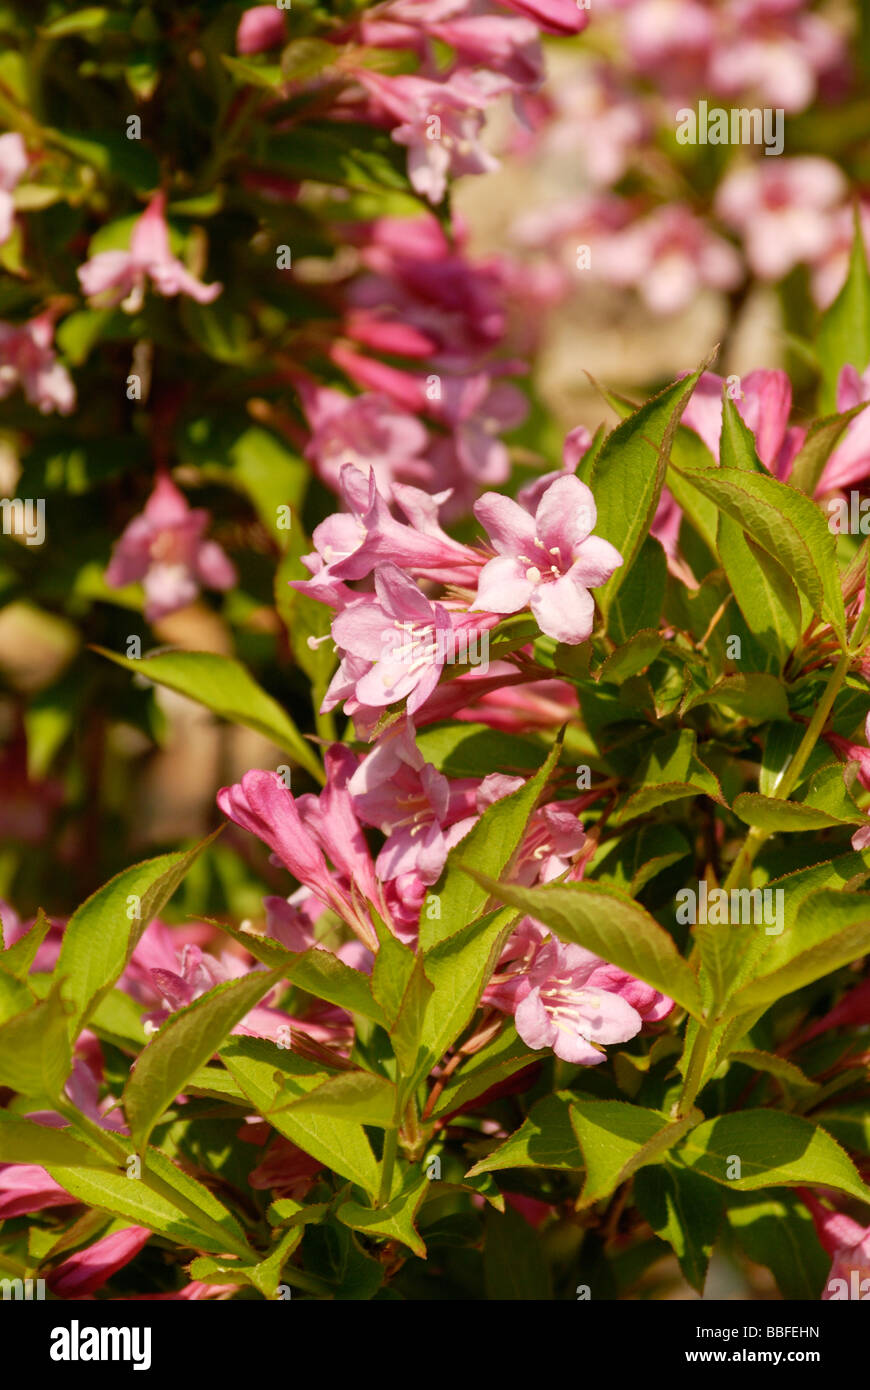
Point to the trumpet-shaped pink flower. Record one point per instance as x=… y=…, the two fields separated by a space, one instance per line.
x=849 y=1244
x=764 y=404
x=120 y=277
x=553 y=16
x=164 y=549
x=13 y=164
x=548 y=562
x=368 y=432
x=850 y=461
x=27 y=360
x=87 y=1270
x=562 y=1006
x=261 y=28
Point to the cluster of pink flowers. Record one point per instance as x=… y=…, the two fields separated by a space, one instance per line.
x=609 y=112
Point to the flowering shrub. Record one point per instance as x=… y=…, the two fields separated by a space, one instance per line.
x=521 y=951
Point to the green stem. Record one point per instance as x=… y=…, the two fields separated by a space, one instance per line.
x=391 y=1144
x=756 y=837
x=694 y=1073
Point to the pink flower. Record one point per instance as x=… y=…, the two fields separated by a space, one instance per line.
x=119 y=277
x=440 y=122
x=296 y=832
x=27 y=360
x=164 y=549
x=783 y=209
x=553 y=16
x=849 y=1244
x=560 y=1006
x=547 y=562
x=87 y=1270
x=13 y=165
x=830 y=270
x=850 y=461
x=402 y=636
x=26 y=1188
x=367 y=431
x=668 y=256
x=764 y=404
x=260 y=28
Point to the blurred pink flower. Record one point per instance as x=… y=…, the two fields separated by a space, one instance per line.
x=783 y=209
x=850 y=461
x=119 y=277
x=368 y=431
x=440 y=122
x=27 y=360
x=553 y=16
x=13 y=165
x=164 y=549
x=849 y=1244
x=261 y=28
x=668 y=256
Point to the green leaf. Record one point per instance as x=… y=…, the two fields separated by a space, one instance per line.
x=545 y=1139
x=35 y=1056
x=513 y=1262
x=472 y=750
x=772 y=813
x=778 y=1232
x=635 y=655
x=670 y=771
x=628 y=474
x=780 y=745
x=15 y=995
x=737 y=444
x=822 y=438
x=774 y=1149
x=616 y=1139
x=394 y=1220
x=348 y=154
x=406 y=1034
x=779 y=1067
x=630 y=862
x=103 y=933
x=316 y=971
x=136 y=1200
x=685 y=1209
x=613 y=926
x=339 y=1144
x=640 y=598
x=490 y=845
x=19 y=958
x=458 y=969
x=764 y=591
x=391 y=972
x=184 y=1043
x=228 y=690
x=844 y=331
x=25 y=1141
x=499 y=1060
x=832 y=929
x=354 y=1095
x=755 y=696
x=786 y=524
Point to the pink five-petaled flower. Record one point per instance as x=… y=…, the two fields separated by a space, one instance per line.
x=164 y=549
x=547 y=562
x=118 y=277
x=13 y=163
x=405 y=638
x=562 y=1006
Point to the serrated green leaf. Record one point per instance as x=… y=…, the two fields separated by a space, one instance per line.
x=685 y=1209
x=228 y=690
x=616 y=1139
x=184 y=1043
x=774 y=1149
x=545 y=1139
